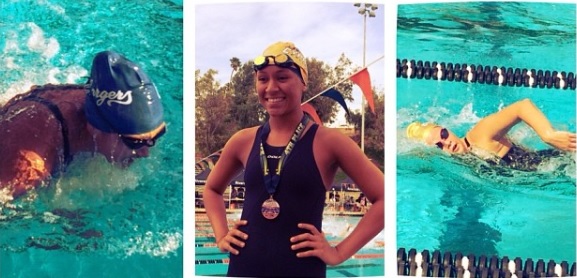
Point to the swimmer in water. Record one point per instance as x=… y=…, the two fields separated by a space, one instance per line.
x=488 y=140
x=117 y=114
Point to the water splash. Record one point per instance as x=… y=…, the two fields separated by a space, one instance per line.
x=38 y=43
x=30 y=57
x=80 y=188
x=159 y=244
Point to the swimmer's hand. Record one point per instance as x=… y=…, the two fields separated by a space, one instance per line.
x=234 y=236
x=562 y=140
x=318 y=245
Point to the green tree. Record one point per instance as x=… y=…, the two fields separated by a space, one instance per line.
x=234 y=64
x=246 y=111
x=213 y=126
x=374 y=129
x=322 y=77
x=319 y=73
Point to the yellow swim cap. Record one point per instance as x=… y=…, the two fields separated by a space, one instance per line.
x=420 y=131
x=293 y=52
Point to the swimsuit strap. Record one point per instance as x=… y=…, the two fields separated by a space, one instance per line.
x=58 y=114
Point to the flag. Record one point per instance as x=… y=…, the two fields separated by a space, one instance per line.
x=363 y=80
x=337 y=96
x=309 y=109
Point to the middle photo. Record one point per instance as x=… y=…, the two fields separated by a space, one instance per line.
x=289 y=140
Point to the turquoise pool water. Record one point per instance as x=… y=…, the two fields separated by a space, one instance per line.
x=369 y=261
x=448 y=204
x=96 y=220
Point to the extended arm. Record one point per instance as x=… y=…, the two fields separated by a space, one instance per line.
x=497 y=125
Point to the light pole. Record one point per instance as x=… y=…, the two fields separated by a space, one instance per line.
x=365 y=10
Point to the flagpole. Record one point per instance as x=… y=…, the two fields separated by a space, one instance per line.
x=342 y=80
x=367 y=9
x=363 y=95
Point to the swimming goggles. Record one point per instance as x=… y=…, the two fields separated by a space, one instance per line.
x=282 y=60
x=135 y=144
x=444 y=135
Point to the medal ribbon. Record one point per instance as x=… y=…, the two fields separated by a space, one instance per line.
x=271 y=181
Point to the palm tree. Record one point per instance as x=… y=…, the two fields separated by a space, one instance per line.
x=234 y=64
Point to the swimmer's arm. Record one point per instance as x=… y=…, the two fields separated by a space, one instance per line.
x=218 y=180
x=497 y=125
x=371 y=182
x=25 y=170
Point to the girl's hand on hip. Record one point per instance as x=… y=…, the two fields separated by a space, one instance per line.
x=234 y=236
x=318 y=244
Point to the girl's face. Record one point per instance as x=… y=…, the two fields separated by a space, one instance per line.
x=279 y=90
x=112 y=146
x=446 y=140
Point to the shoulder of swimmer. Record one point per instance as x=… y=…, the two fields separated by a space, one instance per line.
x=488 y=145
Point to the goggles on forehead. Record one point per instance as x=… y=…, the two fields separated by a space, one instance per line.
x=135 y=144
x=281 y=60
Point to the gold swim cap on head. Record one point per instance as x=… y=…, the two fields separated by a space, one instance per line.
x=293 y=52
x=420 y=131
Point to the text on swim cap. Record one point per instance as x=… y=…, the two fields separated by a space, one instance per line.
x=124 y=98
x=295 y=53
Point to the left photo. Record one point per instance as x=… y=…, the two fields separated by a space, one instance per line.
x=289 y=140
x=92 y=139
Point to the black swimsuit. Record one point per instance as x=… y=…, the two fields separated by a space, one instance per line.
x=526 y=160
x=301 y=195
x=522 y=159
x=34 y=96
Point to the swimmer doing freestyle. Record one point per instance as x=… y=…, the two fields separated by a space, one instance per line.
x=488 y=138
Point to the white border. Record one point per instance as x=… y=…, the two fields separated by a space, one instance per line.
x=390 y=140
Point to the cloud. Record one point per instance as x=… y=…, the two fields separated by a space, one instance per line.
x=321 y=30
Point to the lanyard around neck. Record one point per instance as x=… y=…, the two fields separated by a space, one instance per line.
x=272 y=180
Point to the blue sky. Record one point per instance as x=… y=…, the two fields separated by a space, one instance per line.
x=320 y=30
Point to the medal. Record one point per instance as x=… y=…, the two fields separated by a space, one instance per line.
x=270 y=208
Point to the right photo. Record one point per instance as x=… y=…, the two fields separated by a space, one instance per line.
x=486 y=139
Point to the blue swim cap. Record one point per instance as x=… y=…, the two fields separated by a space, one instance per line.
x=121 y=98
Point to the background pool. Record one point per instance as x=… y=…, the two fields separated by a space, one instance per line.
x=448 y=204
x=96 y=220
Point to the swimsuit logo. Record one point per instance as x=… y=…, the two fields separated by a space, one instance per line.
x=124 y=98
